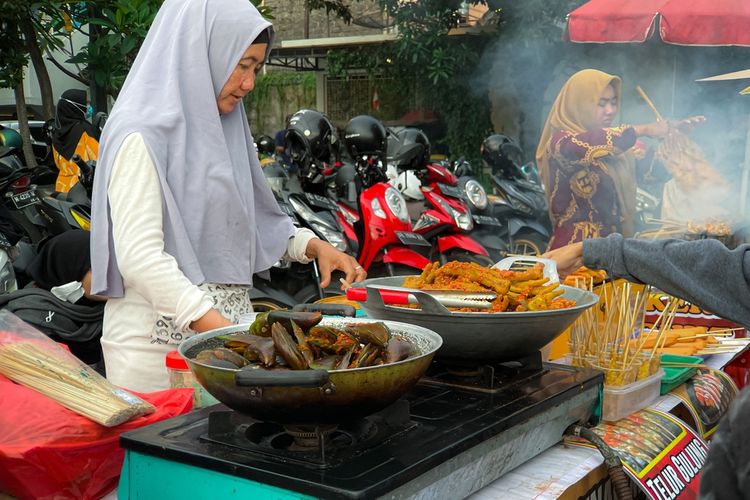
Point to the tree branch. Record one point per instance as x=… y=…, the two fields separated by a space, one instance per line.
x=67 y=71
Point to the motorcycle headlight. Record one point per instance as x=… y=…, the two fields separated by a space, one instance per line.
x=334 y=238
x=476 y=194
x=425 y=220
x=396 y=204
x=463 y=220
x=348 y=216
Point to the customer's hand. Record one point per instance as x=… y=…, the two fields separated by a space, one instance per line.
x=330 y=259
x=568 y=258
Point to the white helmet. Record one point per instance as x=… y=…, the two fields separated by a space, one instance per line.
x=409 y=185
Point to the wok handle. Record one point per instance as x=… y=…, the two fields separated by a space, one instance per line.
x=328 y=309
x=378 y=296
x=389 y=297
x=257 y=377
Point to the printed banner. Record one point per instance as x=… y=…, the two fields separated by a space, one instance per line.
x=661 y=453
x=707 y=395
x=688 y=314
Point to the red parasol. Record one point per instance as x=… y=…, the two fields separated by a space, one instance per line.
x=681 y=22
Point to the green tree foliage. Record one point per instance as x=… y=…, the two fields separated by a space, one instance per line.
x=16 y=39
x=432 y=65
x=13 y=54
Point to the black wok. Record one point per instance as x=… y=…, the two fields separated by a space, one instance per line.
x=470 y=338
x=312 y=396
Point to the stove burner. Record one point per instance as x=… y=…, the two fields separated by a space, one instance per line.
x=487 y=378
x=317 y=447
x=310 y=436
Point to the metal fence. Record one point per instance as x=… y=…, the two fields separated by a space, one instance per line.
x=353 y=95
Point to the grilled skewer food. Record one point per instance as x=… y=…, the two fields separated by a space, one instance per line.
x=526 y=290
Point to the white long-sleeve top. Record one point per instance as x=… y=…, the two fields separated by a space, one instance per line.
x=159 y=302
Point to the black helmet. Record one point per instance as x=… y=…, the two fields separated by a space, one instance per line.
x=409 y=148
x=266 y=145
x=503 y=155
x=365 y=136
x=310 y=137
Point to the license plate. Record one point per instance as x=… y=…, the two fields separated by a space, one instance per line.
x=321 y=201
x=412 y=239
x=487 y=220
x=25 y=199
x=451 y=191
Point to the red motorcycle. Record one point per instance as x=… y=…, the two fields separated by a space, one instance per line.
x=437 y=205
x=380 y=226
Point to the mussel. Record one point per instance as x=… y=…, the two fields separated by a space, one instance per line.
x=221 y=357
x=287 y=348
x=263 y=322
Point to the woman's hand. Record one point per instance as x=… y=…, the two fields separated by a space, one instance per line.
x=569 y=258
x=686 y=126
x=661 y=128
x=210 y=321
x=330 y=259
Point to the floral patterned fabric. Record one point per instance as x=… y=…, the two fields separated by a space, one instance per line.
x=582 y=191
x=231 y=301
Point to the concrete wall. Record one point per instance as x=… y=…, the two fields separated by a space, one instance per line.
x=60 y=81
x=289 y=18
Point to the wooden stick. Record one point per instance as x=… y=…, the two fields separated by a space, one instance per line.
x=642 y=93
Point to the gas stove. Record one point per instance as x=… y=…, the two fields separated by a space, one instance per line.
x=451 y=435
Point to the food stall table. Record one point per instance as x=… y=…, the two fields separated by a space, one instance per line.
x=566 y=471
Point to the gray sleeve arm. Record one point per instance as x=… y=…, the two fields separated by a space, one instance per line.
x=704 y=272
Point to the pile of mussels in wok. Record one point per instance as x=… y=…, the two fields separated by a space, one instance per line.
x=296 y=340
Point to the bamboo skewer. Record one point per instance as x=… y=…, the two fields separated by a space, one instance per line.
x=650 y=104
x=74 y=387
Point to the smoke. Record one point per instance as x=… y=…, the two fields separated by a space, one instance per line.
x=523 y=75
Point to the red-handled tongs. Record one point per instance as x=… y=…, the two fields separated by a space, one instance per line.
x=405 y=296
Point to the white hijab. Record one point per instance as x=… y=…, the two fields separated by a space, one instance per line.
x=220 y=220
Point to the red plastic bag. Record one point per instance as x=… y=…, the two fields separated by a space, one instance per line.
x=48 y=451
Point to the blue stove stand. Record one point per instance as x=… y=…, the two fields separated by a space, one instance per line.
x=178 y=481
x=455 y=442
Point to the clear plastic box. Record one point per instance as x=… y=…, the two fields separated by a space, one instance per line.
x=619 y=402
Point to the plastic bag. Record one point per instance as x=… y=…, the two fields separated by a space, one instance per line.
x=48 y=451
x=29 y=357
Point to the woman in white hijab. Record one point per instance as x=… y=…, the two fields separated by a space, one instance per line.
x=182 y=215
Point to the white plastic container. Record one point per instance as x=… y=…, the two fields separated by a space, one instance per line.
x=619 y=402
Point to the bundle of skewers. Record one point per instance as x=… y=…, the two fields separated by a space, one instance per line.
x=602 y=337
x=683 y=158
x=613 y=337
x=711 y=228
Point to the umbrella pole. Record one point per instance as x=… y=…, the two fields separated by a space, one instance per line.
x=745 y=172
x=674 y=81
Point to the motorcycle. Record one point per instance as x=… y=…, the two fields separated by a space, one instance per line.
x=289 y=283
x=436 y=204
x=71 y=210
x=382 y=228
x=521 y=206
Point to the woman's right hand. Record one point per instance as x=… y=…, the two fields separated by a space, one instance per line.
x=661 y=128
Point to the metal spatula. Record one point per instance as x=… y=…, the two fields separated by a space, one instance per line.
x=448 y=298
x=521 y=263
